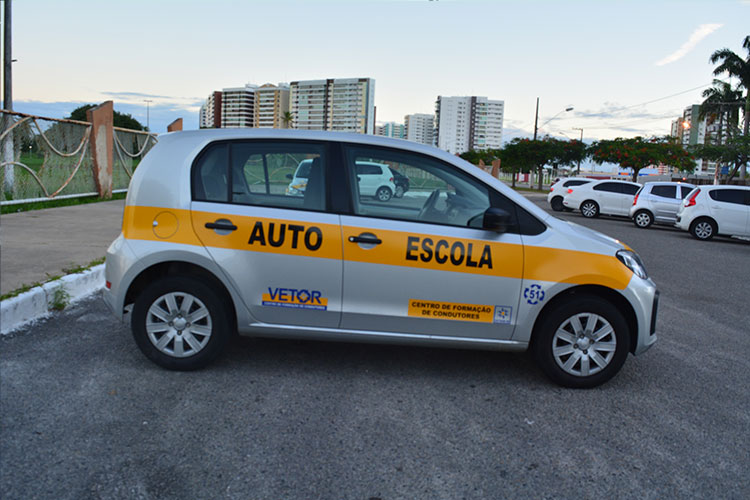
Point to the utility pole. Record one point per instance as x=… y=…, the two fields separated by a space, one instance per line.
x=536 y=118
x=578 y=170
x=148 y=101
x=8 y=149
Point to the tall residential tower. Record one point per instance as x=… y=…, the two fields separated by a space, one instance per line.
x=466 y=123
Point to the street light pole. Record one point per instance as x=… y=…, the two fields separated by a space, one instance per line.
x=578 y=170
x=148 y=101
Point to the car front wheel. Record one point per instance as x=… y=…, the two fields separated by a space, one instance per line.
x=180 y=323
x=582 y=342
x=643 y=219
x=589 y=209
x=703 y=229
x=383 y=193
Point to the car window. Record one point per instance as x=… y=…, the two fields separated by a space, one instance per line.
x=664 y=191
x=438 y=193
x=368 y=169
x=611 y=187
x=629 y=189
x=685 y=190
x=262 y=174
x=736 y=196
x=575 y=183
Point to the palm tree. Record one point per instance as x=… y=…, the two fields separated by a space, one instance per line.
x=736 y=66
x=720 y=101
x=288 y=117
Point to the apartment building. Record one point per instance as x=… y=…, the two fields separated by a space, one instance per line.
x=238 y=106
x=420 y=127
x=391 y=129
x=468 y=122
x=210 y=113
x=271 y=105
x=339 y=104
x=690 y=130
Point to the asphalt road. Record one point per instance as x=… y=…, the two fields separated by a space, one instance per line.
x=85 y=415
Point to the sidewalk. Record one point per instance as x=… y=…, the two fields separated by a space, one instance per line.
x=41 y=243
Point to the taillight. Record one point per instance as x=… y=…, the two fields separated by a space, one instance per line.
x=570 y=190
x=108 y=285
x=391 y=179
x=691 y=200
x=635 y=200
x=551 y=189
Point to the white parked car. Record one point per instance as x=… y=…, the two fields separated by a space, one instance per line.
x=658 y=202
x=716 y=210
x=559 y=189
x=602 y=197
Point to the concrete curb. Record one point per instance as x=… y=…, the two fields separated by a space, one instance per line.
x=37 y=302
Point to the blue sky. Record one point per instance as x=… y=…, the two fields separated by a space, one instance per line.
x=627 y=68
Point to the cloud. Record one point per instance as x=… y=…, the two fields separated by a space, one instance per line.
x=699 y=34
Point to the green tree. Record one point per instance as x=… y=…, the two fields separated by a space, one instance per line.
x=733 y=152
x=121 y=120
x=721 y=101
x=287 y=117
x=737 y=67
x=525 y=155
x=638 y=153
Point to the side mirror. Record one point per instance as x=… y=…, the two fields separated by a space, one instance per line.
x=496 y=219
x=289 y=176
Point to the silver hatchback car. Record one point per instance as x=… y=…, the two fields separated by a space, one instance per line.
x=658 y=202
x=213 y=243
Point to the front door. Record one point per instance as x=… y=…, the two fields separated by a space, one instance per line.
x=421 y=264
x=281 y=251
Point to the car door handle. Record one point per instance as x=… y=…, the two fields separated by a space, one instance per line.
x=222 y=225
x=368 y=239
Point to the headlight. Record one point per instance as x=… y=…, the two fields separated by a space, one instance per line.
x=633 y=262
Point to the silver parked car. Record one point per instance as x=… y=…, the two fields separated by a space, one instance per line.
x=658 y=202
x=213 y=244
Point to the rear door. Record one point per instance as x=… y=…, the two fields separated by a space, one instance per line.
x=626 y=196
x=421 y=264
x=665 y=201
x=281 y=251
x=729 y=209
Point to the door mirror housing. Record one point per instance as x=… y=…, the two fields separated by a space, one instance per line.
x=289 y=176
x=496 y=219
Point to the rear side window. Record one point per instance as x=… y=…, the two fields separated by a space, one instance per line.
x=262 y=174
x=575 y=183
x=664 y=191
x=736 y=196
x=685 y=191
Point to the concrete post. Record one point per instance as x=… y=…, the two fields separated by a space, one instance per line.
x=175 y=126
x=102 y=146
x=496 y=168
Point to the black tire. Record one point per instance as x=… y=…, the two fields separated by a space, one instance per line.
x=557 y=204
x=176 y=299
x=703 y=228
x=590 y=209
x=643 y=219
x=399 y=192
x=549 y=335
x=383 y=193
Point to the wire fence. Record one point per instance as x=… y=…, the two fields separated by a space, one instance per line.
x=46 y=158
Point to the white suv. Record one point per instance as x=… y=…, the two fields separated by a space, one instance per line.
x=559 y=189
x=716 y=210
x=602 y=197
x=658 y=202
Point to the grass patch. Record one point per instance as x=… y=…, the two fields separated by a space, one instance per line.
x=65 y=202
x=70 y=270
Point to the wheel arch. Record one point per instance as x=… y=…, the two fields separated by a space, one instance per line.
x=179 y=268
x=608 y=294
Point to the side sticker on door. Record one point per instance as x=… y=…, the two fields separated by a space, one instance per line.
x=295 y=298
x=460 y=312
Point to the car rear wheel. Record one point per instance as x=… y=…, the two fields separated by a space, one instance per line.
x=643 y=219
x=703 y=229
x=180 y=323
x=557 y=204
x=582 y=342
x=383 y=193
x=589 y=209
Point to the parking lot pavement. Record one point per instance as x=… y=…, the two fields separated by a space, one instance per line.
x=85 y=415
